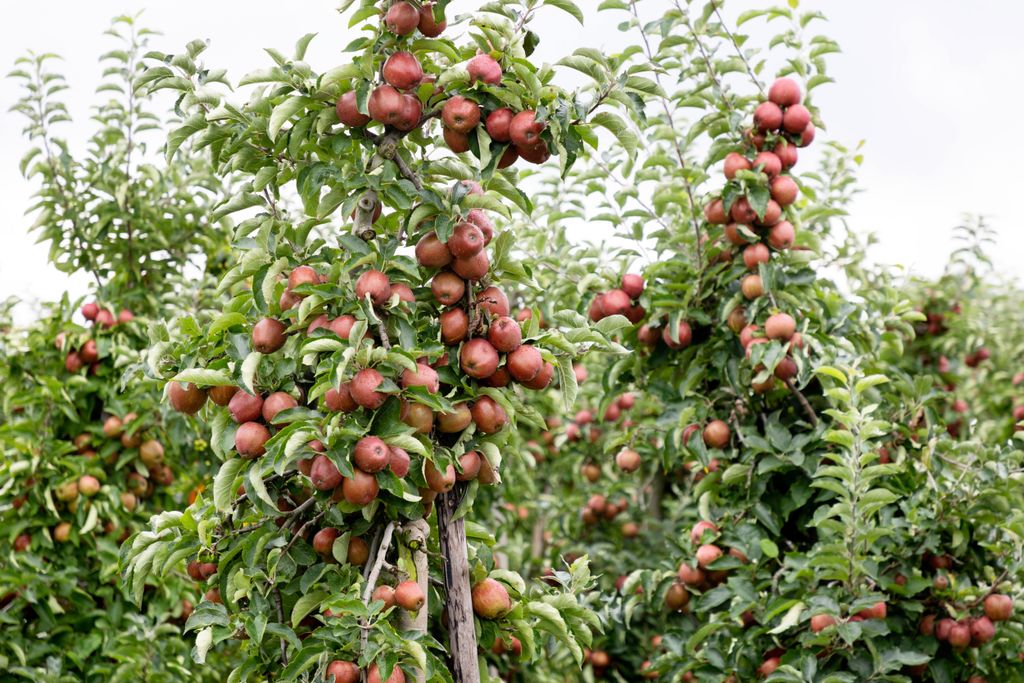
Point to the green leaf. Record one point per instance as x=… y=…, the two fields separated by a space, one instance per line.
x=306 y=604
x=285 y=111
x=567 y=6
x=224 y=485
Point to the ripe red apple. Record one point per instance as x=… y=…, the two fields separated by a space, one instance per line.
x=104 y=318
x=697 y=532
x=628 y=460
x=768 y=164
x=186 y=398
x=373 y=675
x=542 y=379
x=460 y=114
x=478 y=218
x=505 y=334
x=403 y=70
x=268 y=335
x=409 y=596
x=432 y=252
x=780 y=326
x=222 y=395
x=706 y=554
x=89 y=353
x=428 y=25
x=876 y=611
x=796 y=118
x=417 y=415
x=425 y=376
x=959 y=635
x=325 y=474
x=88 y=485
x=524 y=130
x=677 y=597
x=90 y=310
x=494 y=301
x=490 y=599
x=341 y=671
x=782 y=236
x=735 y=162
x=245 y=407
x=473 y=267
x=437 y=481
x=768 y=117
x=454 y=326
x=403 y=292
x=469 y=466
x=402 y=18
x=742 y=212
x=361 y=489
x=340 y=399
x=374 y=284
x=684 y=333
x=447 y=288
x=467 y=240
x=784 y=92
x=982 y=631
x=498 y=124
x=73 y=362
x=755 y=254
x=398 y=461
x=410 y=114
x=371 y=454
x=714 y=212
x=364 y=389
x=632 y=285
x=524 y=363
x=455 y=421
x=716 y=434
x=488 y=415
x=323 y=540
x=385 y=105
x=348 y=114
x=385 y=594
x=998 y=607
x=275 y=403
x=478 y=358
x=787 y=154
x=751 y=286
x=456 y=141
x=484 y=68
x=784 y=190
x=807 y=137
x=820 y=622
x=250 y=439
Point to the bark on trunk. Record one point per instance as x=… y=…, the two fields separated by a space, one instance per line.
x=416 y=534
x=459 y=601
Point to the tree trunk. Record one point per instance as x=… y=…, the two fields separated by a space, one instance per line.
x=459 y=601
x=417 y=532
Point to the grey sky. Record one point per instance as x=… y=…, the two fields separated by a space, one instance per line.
x=927 y=84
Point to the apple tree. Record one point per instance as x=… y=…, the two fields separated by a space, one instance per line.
x=365 y=380
x=88 y=450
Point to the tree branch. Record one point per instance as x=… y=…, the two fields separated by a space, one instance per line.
x=811 y=415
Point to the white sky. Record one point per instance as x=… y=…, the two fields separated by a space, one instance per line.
x=928 y=84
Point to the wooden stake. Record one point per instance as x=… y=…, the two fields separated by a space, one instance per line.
x=459 y=601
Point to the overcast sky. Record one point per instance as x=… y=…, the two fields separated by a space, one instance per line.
x=924 y=82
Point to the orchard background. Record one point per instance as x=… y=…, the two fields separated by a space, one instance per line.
x=471 y=354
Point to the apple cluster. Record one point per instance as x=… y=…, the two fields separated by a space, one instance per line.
x=395 y=103
x=88 y=353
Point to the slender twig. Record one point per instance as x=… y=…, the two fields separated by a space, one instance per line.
x=675 y=143
x=371 y=579
x=811 y=415
x=995 y=586
x=732 y=39
x=280 y=619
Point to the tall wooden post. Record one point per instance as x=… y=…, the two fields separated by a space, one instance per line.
x=459 y=600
